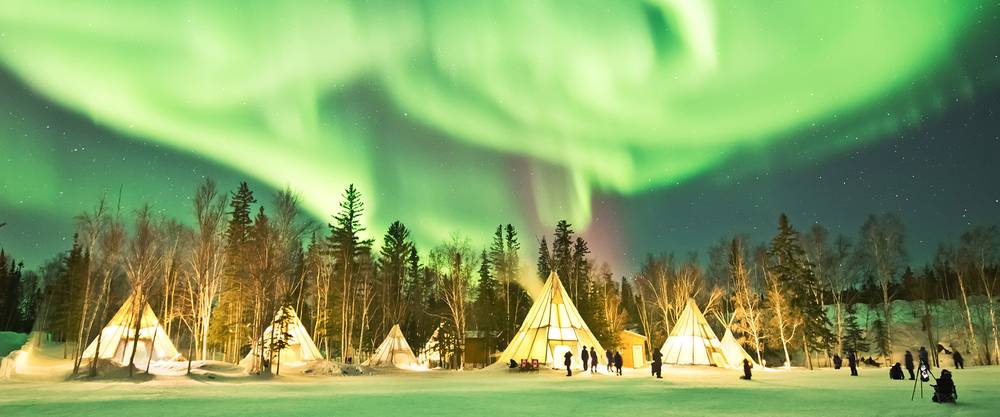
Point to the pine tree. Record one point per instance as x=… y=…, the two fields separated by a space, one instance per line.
x=486 y=306
x=347 y=246
x=854 y=336
x=562 y=254
x=392 y=273
x=579 y=271
x=233 y=316
x=544 y=260
x=792 y=268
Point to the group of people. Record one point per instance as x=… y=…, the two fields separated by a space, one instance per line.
x=589 y=358
x=944 y=388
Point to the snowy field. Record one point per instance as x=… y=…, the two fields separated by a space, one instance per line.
x=684 y=391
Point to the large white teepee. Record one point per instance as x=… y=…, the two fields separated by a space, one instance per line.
x=692 y=341
x=733 y=351
x=552 y=327
x=300 y=347
x=119 y=336
x=394 y=351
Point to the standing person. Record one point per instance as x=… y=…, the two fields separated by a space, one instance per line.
x=585 y=357
x=923 y=357
x=852 y=361
x=837 y=361
x=568 y=361
x=746 y=369
x=908 y=360
x=593 y=360
x=959 y=361
x=611 y=359
x=657 y=366
x=618 y=362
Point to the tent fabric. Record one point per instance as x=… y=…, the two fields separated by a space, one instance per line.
x=692 y=341
x=300 y=348
x=119 y=336
x=394 y=351
x=734 y=352
x=552 y=326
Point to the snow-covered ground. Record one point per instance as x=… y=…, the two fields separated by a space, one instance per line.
x=220 y=389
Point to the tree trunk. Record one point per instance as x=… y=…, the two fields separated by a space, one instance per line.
x=968 y=315
x=135 y=337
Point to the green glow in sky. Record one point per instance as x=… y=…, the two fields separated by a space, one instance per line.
x=426 y=105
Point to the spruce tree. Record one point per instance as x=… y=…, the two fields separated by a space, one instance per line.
x=346 y=246
x=789 y=263
x=544 y=260
x=487 y=304
x=854 y=335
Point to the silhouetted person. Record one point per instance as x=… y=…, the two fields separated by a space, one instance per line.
x=896 y=372
x=944 y=390
x=852 y=361
x=611 y=359
x=959 y=361
x=746 y=369
x=923 y=357
x=618 y=362
x=908 y=361
x=512 y=364
x=585 y=357
x=657 y=366
x=568 y=361
x=837 y=361
x=593 y=360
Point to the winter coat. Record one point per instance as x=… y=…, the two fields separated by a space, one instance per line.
x=618 y=360
x=852 y=359
x=908 y=360
x=923 y=355
x=657 y=357
x=593 y=357
x=569 y=358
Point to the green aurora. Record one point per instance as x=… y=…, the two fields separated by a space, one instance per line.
x=457 y=115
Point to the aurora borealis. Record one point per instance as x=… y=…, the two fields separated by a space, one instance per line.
x=652 y=125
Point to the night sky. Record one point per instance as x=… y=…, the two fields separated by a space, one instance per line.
x=652 y=126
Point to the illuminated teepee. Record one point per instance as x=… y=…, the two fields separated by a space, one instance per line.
x=552 y=327
x=119 y=336
x=733 y=351
x=299 y=346
x=692 y=341
x=394 y=351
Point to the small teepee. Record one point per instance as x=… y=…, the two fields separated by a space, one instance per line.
x=286 y=326
x=552 y=327
x=394 y=351
x=119 y=336
x=692 y=341
x=734 y=352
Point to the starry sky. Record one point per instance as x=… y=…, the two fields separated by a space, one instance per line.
x=650 y=125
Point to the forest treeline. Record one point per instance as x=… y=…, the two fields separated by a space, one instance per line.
x=217 y=284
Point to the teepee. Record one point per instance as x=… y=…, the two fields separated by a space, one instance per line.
x=299 y=347
x=552 y=327
x=692 y=341
x=119 y=336
x=394 y=351
x=733 y=351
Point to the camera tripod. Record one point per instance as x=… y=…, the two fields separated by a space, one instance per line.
x=924 y=376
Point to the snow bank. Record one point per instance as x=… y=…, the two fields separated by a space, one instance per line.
x=10 y=341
